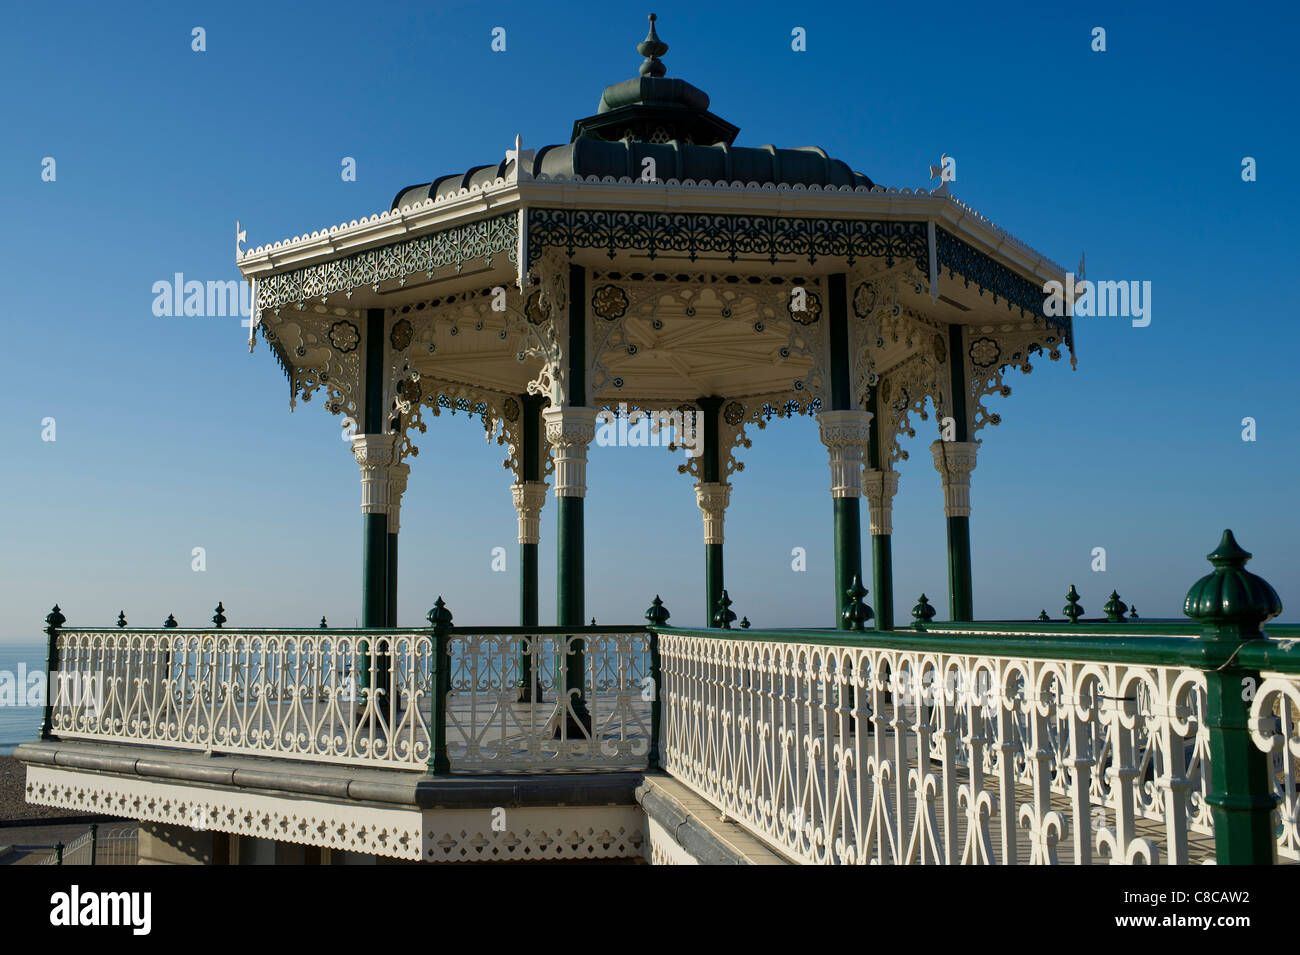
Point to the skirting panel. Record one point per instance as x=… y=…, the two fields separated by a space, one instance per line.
x=664 y=849
x=506 y=834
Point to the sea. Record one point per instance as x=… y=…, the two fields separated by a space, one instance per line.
x=19 y=724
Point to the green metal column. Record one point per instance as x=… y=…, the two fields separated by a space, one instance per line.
x=848 y=521
x=882 y=552
x=530 y=468
x=571 y=569
x=961 y=601
x=710 y=473
x=390 y=618
x=374 y=526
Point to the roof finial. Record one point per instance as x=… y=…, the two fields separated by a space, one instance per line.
x=652 y=48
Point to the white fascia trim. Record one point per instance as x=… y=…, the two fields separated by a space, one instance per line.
x=953 y=215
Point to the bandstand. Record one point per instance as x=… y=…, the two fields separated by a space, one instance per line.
x=651 y=266
x=651 y=269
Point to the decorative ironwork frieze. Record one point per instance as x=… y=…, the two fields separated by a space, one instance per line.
x=698 y=233
x=958 y=258
x=452 y=247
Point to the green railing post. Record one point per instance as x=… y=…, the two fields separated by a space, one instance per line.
x=1230 y=604
x=58 y=853
x=440 y=620
x=658 y=616
x=53 y=621
x=94 y=840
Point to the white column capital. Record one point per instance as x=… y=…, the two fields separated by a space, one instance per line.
x=397 y=475
x=713 y=498
x=376 y=454
x=569 y=431
x=845 y=434
x=955 y=460
x=529 y=498
x=880 y=488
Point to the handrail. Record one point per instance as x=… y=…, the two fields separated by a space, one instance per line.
x=1192 y=651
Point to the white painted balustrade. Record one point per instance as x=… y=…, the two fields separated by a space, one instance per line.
x=859 y=754
x=360 y=698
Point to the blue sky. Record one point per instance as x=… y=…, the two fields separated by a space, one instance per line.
x=170 y=436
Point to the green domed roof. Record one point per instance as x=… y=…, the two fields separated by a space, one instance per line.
x=667 y=120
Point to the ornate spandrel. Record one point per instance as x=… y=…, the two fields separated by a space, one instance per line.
x=897 y=351
x=546 y=311
x=320 y=349
x=990 y=351
x=500 y=413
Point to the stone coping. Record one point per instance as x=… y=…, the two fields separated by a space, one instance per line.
x=388 y=787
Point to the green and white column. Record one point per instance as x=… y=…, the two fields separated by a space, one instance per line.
x=570 y=431
x=880 y=488
x=845 y=434
x=955 y=460
x=529 y=496
x=712 y=494
x=374 y=454
x=880 y=484
x=397 y=476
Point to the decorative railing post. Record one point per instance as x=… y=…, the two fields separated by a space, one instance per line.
x=658 y=616
x=440 y=620
x=58 y=852
x=53 y=621
x=1230 y=604
x=94 y=840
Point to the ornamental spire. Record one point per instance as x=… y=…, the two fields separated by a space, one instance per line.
x=652 y=48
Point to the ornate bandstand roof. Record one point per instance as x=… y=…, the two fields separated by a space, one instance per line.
x=665 y=120
x=692 y=250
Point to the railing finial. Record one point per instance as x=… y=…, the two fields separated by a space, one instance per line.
x=1072 y=610
x=856 y=612
x=439 y=616
x=219 y=617
x=1115 y=608
x=121 y=619
x=1231 y=597
x=657 y=613
x=725 y=616
x=922 y=613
